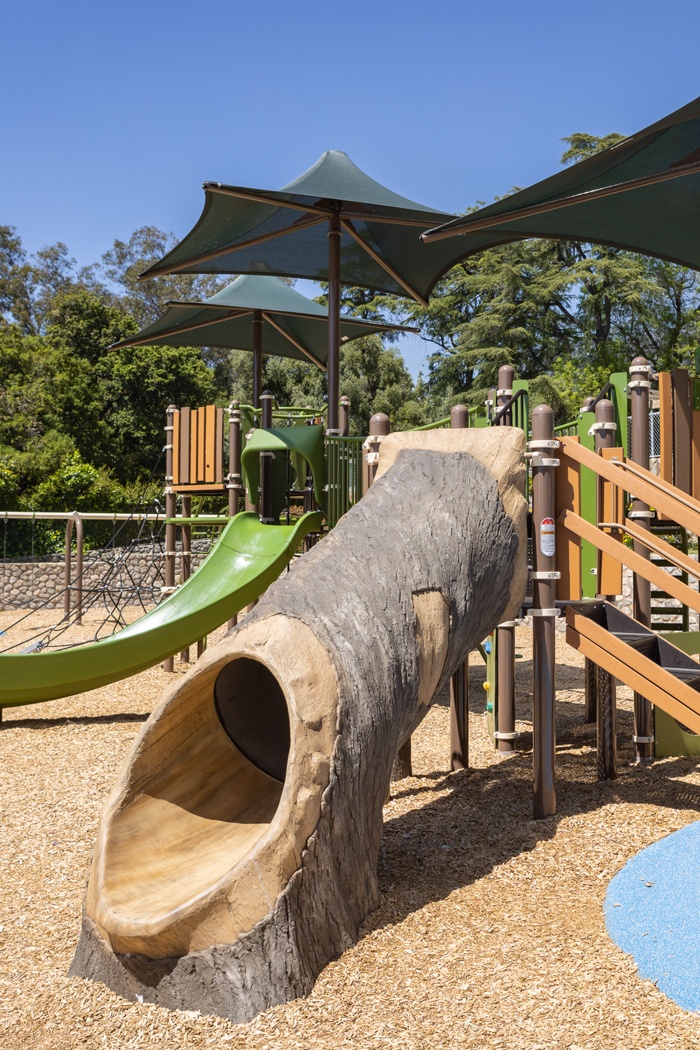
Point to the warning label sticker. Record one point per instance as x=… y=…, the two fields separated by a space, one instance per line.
x=548 y=542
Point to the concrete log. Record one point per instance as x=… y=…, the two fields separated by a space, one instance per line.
x=237 y=853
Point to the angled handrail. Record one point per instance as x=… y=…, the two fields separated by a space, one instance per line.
x=658 y=546
x=617 y=550
x=641 y=483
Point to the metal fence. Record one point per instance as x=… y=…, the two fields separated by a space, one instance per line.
x=344 y=465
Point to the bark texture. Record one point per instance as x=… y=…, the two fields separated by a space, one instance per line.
x=371 y=622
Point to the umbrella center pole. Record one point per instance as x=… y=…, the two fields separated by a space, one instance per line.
x=257 y=357
x=334 y=235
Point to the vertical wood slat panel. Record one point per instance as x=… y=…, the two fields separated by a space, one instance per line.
x=610 y=578
x=194 y=438
x=680 y=382
x=174 y=440
x=219 y=445
x=184 y=468
x=210 y=444
x=666 y=427
x=201 y=424
x=568 y=497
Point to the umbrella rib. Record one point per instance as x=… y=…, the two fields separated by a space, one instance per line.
x=181 y=329
x=263 y=198
x=388 y=220
x=474 y=225
x=216 y=253
x=295 y=342
x=350 y=229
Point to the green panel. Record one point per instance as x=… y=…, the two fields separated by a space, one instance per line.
x=695 y=387
x=670 y=741
x=618 y=396
x=302 y=442
x=245 y=561
x=588 y=509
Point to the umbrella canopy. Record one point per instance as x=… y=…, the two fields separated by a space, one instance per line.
x=642 y=194
x=254 y=313
x=333 y=222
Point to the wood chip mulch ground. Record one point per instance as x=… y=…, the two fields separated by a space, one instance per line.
x=490 y=930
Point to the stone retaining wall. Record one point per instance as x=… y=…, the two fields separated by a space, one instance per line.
x=114 y=574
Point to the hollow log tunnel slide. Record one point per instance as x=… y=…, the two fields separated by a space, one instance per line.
x=236 y=855
x=246 y=559
x=637 y=656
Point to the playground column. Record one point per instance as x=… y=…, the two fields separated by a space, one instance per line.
x=170 y=511
x=333 y=373
x=233 y=483
x=459 y=683
x=605 y=437
x=76 y=521
x=544 y=593
x=257 y=356
x=266 y=400
x=344 y=430
x=505 y=632
x=590 y=703
x=639 y=386
x=186 y=533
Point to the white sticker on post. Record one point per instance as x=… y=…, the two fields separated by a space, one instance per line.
x=548 y=541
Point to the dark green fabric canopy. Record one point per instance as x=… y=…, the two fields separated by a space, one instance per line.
x=285 y=232
x=292 y=325
x=642 y=195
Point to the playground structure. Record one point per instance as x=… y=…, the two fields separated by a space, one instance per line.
x=271 y=858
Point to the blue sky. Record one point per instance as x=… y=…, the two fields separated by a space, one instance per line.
x=114 y=114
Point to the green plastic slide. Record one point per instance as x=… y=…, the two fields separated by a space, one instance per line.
x=245 y=561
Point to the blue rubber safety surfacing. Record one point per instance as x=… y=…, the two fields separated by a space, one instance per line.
x=651 y=912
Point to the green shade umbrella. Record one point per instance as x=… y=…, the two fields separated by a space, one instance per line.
x=333 y=222
x=259 y=314
x=642 y=194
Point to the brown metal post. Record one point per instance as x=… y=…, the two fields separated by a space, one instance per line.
x=506 y=375
x=590 y=703
x=505 y=689
x=379 y=427
x=544 y=593
x=639 y=387
x=77 y=522
x=257 y=356
x=606 y=690
x=234 y=482
x=186 y=560
x=170 y=511
x=344 y=425
x=459 y=683
x=266 y=399
x=334 y=234
x=491 y=402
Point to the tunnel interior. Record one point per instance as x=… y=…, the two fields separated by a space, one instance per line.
x=252 y=710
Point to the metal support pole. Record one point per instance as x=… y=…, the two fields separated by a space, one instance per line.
x=257 y=356
x=459 y=683
x=506 y=375
x=334 y=235
x=234 y=482
x=266 y=399
x=344 y=426
x=186 y=560
x=505 y=689
x=379 y=427
x=74 y=521
x=544 y=593
x=606 y=689
x=170 y=511
x=639 y=387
